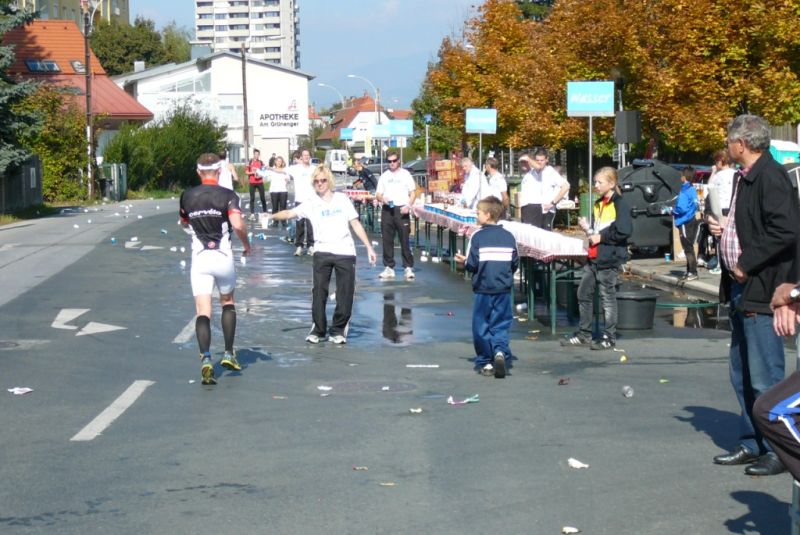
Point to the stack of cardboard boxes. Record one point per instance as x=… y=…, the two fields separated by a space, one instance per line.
x=445 y=176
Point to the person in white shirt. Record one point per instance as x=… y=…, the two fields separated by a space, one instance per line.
x=475 y=186
x=227 y=172
x=396 y=192
x=333 y=216
x=278 y=178
x=720 y=184
x=541 y=190
x=497 y=182
x=303 y=190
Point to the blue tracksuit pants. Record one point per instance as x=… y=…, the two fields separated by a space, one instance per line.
x=491 y=320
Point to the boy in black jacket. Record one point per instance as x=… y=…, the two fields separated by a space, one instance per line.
x=492 y=259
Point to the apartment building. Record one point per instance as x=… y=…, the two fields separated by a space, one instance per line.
x=268 y=29
x=71 y=10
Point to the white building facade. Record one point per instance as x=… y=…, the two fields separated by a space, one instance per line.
x=277 y=98
x=268 y=29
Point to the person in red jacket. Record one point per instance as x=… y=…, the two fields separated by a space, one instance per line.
x=256 y=183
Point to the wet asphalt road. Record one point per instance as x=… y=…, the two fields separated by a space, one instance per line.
x=265 y=452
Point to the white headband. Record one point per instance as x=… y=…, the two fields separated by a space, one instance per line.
x=212 y=167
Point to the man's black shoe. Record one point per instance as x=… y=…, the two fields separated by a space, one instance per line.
x=740 y=455
x=767 y=465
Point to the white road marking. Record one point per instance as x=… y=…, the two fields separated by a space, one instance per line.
x=7 y=246
x=132 y=244
x=186 y=334
x=94 y=428
x=150 y=247
x=93 y=328
x=68 y=314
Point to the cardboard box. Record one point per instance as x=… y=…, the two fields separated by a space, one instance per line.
x=444 y=165
x=438 y=185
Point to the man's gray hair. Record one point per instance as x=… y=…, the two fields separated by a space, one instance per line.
x=753 y=130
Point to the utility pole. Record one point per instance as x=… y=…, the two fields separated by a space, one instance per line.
x=246 y=127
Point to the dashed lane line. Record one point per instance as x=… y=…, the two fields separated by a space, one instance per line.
x=94 y=428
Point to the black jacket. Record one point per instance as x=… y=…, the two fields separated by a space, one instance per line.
x=767 y=218
x=368 y=179
x=612 y=251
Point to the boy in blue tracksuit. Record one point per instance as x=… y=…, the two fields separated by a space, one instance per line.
x=492 y=259
x=684 y=214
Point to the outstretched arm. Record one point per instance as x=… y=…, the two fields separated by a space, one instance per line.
x=358 y=228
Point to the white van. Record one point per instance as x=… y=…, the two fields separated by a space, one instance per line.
x=336 y=160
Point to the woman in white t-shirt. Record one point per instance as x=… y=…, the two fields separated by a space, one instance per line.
x=278 y=191
x=332 y=215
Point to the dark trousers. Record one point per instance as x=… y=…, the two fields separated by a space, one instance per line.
x=606 y=279
x=304 y=232
x=688 y=233
x=345 y=267
x=393 y=221
x=532 y=215
x=491 y=320
x=777 y=416
x=278 y=201
x=260 y=188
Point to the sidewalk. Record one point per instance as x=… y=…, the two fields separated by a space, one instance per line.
x=670 y=272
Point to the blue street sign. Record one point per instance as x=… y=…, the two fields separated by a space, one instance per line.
x=346 y=134
x=595 y=99
x=428 y=118
x=481 y=121
x=381 y=131
x=401 y=128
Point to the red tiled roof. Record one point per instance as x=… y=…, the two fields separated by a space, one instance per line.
x=61 y=41
x=55 y=40
x=313 y=115
x=345 y=117
x=401 y=115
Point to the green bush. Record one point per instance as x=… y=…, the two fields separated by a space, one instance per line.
x=163 y=154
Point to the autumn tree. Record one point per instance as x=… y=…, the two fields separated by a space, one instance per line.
x=118 y=45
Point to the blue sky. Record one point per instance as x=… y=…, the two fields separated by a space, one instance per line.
x=388 y=42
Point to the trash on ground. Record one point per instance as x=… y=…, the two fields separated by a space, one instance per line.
x=533 y=338
x=139 y=216
x=418 y=410
x=163 y=231
x=89 y=221
x=569 y=529
x=623 y=358
x=360 y=468
x=471 y=399
x=535 y=331
x=134 y=238
x=76 y=226
x=618 y=350
x=448 y=314
x=325 y=388
x=385 y=388
x=325 y=394
x=627 y=391
x=20 y=390
x=183 y=249
x=564 y=381
x=575 y=463
x=422 y=365
x=191 y=381
x=279 y=397
x=173 y=249
x=183 y=264
x=387 y=484
x=663 y=381
x=243 y=260
x=113 y=241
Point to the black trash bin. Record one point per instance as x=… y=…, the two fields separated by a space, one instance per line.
x=650 y=187
x=636 y=309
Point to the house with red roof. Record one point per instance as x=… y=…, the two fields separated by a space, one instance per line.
x=358 y=114
x=52 y=52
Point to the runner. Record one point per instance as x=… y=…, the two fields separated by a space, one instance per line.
x=301 y=174
x=212 y=211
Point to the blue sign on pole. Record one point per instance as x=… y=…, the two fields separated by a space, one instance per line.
x=401 y=128
x=346 y=134
x=481 y=121
x=590 y=99
x=381 y=131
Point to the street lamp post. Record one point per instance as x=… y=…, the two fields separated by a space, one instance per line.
x=341 y=97
x=245 y=126
x=88 y=15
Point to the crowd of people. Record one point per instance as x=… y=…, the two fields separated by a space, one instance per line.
x=751 y=218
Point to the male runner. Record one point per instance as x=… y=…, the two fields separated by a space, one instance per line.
x=212 y=211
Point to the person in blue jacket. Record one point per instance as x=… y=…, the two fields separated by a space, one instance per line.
x=685 y=219
x=492 y=259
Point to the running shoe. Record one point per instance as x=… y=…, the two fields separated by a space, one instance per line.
x=387 y=273
x=207 y=370
x=408 y=273
x=499 y=365
x=298 y=251
x=576 y=339
x=230 y=362
x=715 y=271
x=689 y=277
x=603 y=343
x=310 y=251
x=337 y=339
x=312 y=339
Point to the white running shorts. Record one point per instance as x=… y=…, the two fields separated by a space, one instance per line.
x=209 y=267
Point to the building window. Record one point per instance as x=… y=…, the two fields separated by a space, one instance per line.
x=205 y=4
x=238 y=26
x=204 y=28
x=203 y=16
x=221 y=16
x=272 y=49
x=35 y=65
x=221 y=28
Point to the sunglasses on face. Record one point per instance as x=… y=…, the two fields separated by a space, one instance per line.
x=323 y=181
x=393 y=161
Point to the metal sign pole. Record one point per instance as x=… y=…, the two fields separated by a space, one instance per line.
x=590 y=210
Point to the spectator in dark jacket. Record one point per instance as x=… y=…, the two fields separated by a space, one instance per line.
x=492 y=259
x=608 y=249
x=757 y=249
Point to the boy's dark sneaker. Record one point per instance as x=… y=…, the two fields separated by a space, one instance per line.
x=603 y=343
x=499 y=365
x=576 y=339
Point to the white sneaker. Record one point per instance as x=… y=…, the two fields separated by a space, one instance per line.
x=387 y=273
x=298 y=251
x=408 y=273
x=337 y=339
x=488 y=370
x=312 y=339
x=310 y=251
